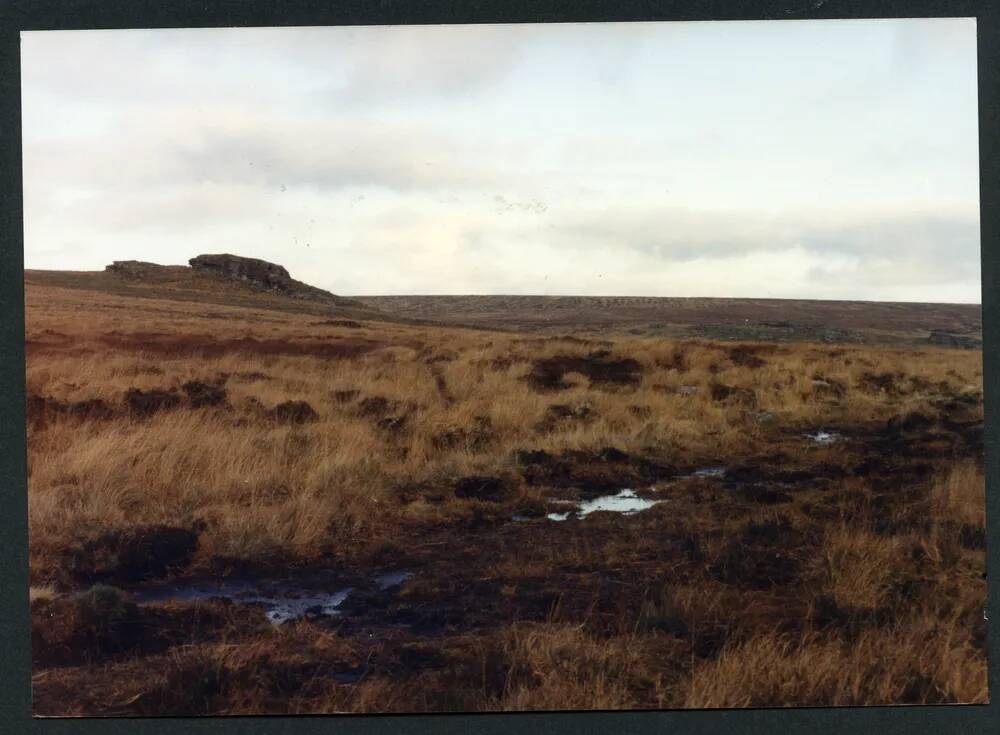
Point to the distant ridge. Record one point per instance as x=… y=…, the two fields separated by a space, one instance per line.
x=782 y=320
x=212 y=278
x=234 y=280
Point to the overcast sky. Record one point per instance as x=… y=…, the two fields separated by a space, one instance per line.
x=811 y=159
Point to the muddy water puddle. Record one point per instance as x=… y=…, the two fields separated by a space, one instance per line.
x=708 y=472
x=389 y=580
x=625 y=502
x=282 y=601
x=628 y=502
x=823 y=437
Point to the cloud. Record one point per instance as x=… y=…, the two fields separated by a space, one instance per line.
x=658 y=159
x=948 y=243
x=265 y=150
x=403 y=62
x=334 y=65
x=672 y=233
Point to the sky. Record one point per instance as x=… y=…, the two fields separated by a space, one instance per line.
x=787 y=159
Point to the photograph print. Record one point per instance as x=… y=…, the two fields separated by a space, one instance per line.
x=484 y=368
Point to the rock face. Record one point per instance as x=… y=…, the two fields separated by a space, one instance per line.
x=249 y=273
x=259 y=274
x=243 y=269
x=133 y=269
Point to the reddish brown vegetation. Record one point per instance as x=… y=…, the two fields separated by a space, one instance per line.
x=742 y=396
x=599 y=367
x=773 y=570
x=293 y=412
x=476 y=437
x=746 y=356
x=41 y=409
x=135 y=554
x=203 y=394
x=207 y=346
x=348 y=323
x=146 y=403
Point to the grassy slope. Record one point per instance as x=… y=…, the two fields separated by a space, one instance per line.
x=180 y=283
x=879 y=558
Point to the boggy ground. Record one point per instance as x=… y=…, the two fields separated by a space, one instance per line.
x=172 y=443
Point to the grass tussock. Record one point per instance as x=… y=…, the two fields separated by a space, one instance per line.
x=188 y=439
x=771 y=671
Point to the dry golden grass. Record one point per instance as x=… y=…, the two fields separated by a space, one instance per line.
x=262 y=490
x=859 y=566
x=775 y=670
x=264 y=487
x=562 y=667
x=41 y=592
x=958 y=495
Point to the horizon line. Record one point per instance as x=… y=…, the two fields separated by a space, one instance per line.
x=572 y=295
x=647 y=296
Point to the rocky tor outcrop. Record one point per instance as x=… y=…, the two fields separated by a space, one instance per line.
x=259 y=274
x=204 y=272
x=138 y=270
